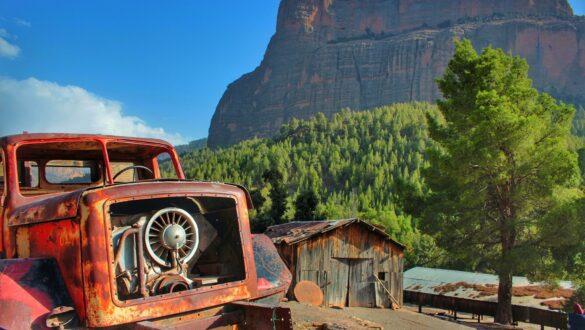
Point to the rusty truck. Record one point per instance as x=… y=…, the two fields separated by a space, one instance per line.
x=93 y=236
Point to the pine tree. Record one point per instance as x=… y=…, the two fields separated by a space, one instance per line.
x=306 y=205
x=501 y=156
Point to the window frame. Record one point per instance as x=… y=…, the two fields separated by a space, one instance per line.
x=103 y=142
x=153 y=163
x=41 y=162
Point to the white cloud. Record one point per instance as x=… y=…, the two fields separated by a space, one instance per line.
x=37 y=106
x=6 y=48
x=21 y=22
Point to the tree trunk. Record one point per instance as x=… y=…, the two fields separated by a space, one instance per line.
x=504 y=309
x=508 y=240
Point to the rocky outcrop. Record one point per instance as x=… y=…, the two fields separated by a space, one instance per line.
x=331 y=54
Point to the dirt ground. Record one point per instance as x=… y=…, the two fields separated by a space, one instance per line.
x=307 y=317
x=467 y=319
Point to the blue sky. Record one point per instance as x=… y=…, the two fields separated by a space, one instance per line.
x=578 y=6
x=152 y=68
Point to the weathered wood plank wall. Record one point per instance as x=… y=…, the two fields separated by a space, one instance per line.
x=343 y=263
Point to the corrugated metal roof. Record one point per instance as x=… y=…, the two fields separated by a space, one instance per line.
x=430 y=280
x=297 y=231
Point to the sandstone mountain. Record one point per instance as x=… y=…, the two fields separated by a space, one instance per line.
x=330 y=54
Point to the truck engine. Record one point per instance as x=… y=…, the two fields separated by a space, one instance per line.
x=179 y=243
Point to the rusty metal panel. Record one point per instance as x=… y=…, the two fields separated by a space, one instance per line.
x=29 y=290
x=272 y=274
x=45 y=208
x=59 y=240
x=200 y=320
x=102 y=307
x=262 y=317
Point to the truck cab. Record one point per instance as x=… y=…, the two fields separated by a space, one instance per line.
x=94 y=235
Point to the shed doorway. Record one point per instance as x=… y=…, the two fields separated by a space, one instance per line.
x=352 y=284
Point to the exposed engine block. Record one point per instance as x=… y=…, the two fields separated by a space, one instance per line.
x=168 y=245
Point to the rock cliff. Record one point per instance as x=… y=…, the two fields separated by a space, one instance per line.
x=331 y=54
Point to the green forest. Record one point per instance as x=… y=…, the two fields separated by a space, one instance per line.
x=364 y=164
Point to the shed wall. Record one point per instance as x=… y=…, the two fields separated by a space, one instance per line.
x=352 y=252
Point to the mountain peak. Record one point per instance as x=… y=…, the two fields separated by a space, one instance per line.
x=327 y=55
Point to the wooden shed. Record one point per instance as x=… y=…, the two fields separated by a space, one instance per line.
x=353 y=262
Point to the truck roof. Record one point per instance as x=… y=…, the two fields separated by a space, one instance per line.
x=17 y=138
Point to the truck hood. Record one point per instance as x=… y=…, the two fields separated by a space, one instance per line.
x=52 y=207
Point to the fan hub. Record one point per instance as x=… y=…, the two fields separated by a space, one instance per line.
x=171 y=236
x=174 y=237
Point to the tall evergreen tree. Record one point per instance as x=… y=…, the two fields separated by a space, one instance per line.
x=501 y=157
x=306 y=205
x=278 y=195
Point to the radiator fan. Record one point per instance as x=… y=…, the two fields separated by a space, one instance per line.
x=171 y=237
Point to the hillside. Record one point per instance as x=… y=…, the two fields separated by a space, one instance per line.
x=191 y=146
x=363 y=164
x=328 y=55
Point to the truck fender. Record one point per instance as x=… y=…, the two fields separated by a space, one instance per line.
x=30 y=290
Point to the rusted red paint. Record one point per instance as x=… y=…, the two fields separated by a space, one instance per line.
x=73 y=229
x=59 y=240
x=46 y=208
x=29 y=290
x=98 y=254
x=259 y=316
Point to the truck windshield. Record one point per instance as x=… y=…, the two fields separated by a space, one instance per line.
x=131 y=162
